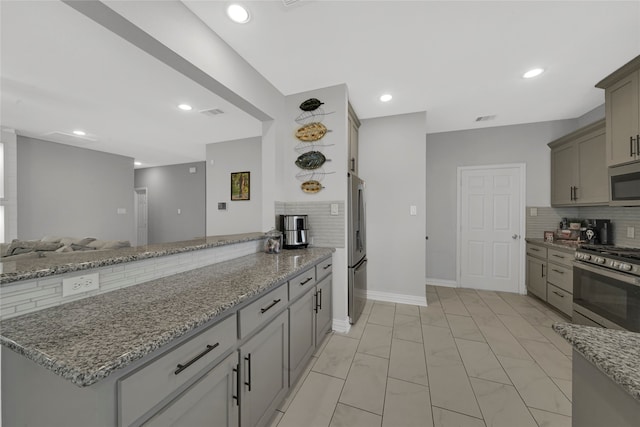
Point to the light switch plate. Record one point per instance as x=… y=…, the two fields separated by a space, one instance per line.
x=533 y=211
x=413 y=210
x=334 y=209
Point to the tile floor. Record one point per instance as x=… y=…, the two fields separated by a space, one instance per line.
x=471 y=358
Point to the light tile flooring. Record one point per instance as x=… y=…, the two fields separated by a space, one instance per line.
x=471 y=358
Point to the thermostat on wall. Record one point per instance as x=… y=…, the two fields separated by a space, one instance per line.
x=222 y=206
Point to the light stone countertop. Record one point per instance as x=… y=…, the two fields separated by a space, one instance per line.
x=567 y=245
x=86 y=340
x=615 y=353
x=59 y=263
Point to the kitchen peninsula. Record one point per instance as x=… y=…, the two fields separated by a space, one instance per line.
x=145 y=353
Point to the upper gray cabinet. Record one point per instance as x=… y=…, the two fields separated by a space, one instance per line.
x=354 y=125
x=622 y=106
x=579 y=168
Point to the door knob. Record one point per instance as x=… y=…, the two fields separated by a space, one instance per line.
x=515 y=236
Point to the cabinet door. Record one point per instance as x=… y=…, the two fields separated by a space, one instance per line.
x=324 y=315
x=353 y=147
x=623 y=120
x=563 y=174
x=537 y=277
x=208 y=402
x=593 y=177
x=265 y=368
x=301 y=334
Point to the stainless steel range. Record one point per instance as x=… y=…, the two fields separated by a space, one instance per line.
x=606 y=287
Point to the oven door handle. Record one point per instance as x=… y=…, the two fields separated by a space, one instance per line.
x=610 y=274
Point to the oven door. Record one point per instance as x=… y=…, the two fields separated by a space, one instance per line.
x=607 y=296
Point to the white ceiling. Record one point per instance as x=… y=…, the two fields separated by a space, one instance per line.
x=456 y=60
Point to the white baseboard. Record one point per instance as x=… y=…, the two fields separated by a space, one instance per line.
x=342 y=326
x=397 y=298
x=442 y=282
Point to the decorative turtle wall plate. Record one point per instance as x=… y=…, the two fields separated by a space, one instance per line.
x=311 y=186
x=310 y=104
x=311 y=160
x=311 y=132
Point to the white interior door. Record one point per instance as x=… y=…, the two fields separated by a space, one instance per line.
x=490 y=227
x=142 y=227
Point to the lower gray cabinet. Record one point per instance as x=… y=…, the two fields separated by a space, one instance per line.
x=324 y=312
x=537 y=277
x=208 y=402
x=264 y=361
x=302 y=319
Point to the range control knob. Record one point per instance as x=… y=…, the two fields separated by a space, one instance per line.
x=586 y=257
x=599 y=260
x=624 y=267
x=614 y=264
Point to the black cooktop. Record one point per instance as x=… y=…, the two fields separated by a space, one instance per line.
x=616 y=251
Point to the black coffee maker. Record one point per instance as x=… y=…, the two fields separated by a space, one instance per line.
x=598 y=232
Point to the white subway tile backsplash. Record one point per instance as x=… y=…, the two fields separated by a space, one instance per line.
x=33 y=295
x=325 y=230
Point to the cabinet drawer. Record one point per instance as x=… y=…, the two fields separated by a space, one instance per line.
x=559 y=257
x=561 y=277
x=261 y=310
x=537 y=251
x=560 y=299
x=324 y=269
x=302 y=283
x=145 y=388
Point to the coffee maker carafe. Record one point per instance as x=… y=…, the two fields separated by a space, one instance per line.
x=294 y=229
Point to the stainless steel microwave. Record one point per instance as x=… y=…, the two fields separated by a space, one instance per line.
x=624 y=185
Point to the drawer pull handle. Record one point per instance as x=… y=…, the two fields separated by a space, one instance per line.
x=559 y=256
x=317 y=296
x=320 y=291
x=304 y=282
x=535 y=249
x=236 y=370
x=270 y=306
x=195 y=359
x=326 y=266
x=558 y=293
x=248 y=359
x=558 y=271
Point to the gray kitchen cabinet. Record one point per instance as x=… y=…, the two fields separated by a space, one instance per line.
x=536 y=272
x=302 y=341
x=264 y=361
x=208 y=402
x=622 y=111
x=323 y=309
x=579 y=174
x=354 y=125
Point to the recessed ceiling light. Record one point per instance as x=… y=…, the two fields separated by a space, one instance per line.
x=137 y=163
x=533 y=73
x=238 y=13
x=79 y=132
x=386 y=97
x=185 y=107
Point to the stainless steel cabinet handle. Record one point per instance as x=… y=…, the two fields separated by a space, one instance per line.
x=317 y=296
x=248 y=383
x=559 y=256
x=535 y=249
x=638 y=145
x=306 y=281
x=631 y=153
x=267 y=308
x=320 y=292
x=558 y=293
x=326 y=266
x=542 y=270
x=195 y=359
x=236 y=371
x=558 y=271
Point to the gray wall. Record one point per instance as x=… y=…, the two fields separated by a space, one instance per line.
x=223 y=158
x=446 y=151
x=70 y=191
x=169 y=189
x=392 y=163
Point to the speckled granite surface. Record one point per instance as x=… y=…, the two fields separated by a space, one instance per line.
x=86 y=340
x=59 y=263
x=615 y=353
x=568 y=245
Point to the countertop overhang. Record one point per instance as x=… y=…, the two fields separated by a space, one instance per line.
x=87 y=340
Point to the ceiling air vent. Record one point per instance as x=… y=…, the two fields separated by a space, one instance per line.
x=212 y=112
x=485 y=118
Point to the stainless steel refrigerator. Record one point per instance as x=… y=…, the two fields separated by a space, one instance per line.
x=357 y=248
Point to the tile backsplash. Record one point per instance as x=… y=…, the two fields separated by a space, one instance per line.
x=325 y=230
x=547 y=219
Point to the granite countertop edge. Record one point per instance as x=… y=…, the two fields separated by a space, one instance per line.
x=83 y=377
x=615 y=353
x=569 y=245
x=111 y=259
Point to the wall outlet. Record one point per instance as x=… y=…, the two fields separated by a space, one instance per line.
x=80 y=284
x=631 y=232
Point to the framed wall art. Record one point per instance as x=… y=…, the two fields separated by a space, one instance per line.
x=240 y=185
